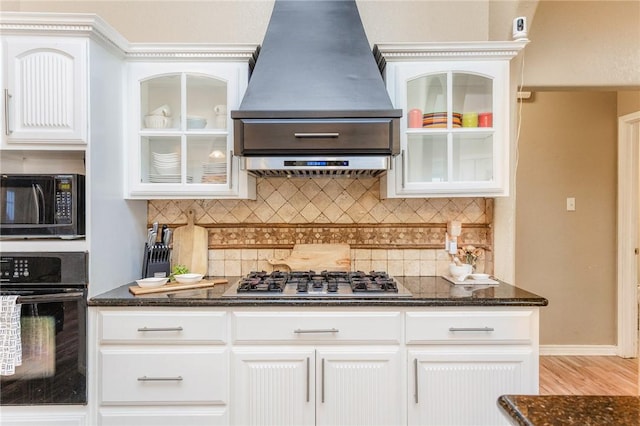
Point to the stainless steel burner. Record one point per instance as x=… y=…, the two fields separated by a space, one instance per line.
x=323 y=284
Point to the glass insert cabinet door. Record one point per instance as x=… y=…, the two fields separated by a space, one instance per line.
x=183 y=137
x=454 y=129
x=449 y=134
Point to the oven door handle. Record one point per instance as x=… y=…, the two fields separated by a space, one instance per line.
x=50 y=298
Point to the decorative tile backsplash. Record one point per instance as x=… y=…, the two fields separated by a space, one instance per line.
x=402 y=236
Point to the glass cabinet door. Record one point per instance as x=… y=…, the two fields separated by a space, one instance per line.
x=449 y=129
x=207 y=160
x=183 y=130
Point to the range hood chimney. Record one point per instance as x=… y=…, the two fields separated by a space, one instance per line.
x=316 y=99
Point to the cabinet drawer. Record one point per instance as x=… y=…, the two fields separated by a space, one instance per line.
x=470 y=326
x=331 y=327
x=163 y=416
x=158 y=326
x=176 y=376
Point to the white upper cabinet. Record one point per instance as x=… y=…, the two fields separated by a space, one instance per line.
x=45 y=90
x=180 y=136
x=456 y=116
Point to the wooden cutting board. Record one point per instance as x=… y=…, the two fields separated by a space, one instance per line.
x=137 y=290
x=191 y=247
x=317 y=257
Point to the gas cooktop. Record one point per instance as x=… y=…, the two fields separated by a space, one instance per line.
x=317 y=284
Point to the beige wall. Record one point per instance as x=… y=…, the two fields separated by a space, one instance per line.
x=584 y=44
x=628 y=102
x=568 y=149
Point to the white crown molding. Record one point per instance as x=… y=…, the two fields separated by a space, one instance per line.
x=61 y=24
x=451 y=50
x=91 y=25
x=185 y=51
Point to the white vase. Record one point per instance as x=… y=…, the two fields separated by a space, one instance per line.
x=460 y=272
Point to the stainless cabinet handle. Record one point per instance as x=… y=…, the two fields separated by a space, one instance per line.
x=160 y=328
x=415 y=379
x=307 y=379
x=319 y=330
x=160 y=379
x=317 y=135
x=7 y=118
x=322 y=381
x=403 y=167
x=231 y=169
x=471 y=329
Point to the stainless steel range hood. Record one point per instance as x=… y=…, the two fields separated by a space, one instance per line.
x=316 y=103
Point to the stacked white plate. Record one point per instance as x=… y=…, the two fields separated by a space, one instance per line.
x=214 y=171
x=166 y=164
x=167 y=167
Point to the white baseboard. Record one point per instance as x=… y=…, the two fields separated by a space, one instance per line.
x=585 y=350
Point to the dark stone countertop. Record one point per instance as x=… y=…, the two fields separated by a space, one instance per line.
x=426 y=291
x=583 y=410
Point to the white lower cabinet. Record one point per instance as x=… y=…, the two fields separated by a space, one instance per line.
x=161 y=367
x=273 y=386
x=432 y=366
x=460 y=385
x=318 y=367
x=44 y=415
x=317 y=386
x=460 y=360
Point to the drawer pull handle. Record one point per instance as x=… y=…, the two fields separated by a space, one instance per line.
x=7 y=107
x=322 y=380
x=308 y=381
x=471 y=329
x=160 y=329
x=160 y=379
x=319 y=330
x=415 y=379
x=317 y=135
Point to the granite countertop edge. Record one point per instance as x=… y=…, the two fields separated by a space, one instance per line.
x=591 y=410
x=427 y=291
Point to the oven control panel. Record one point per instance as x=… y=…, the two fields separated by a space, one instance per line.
x=25 y=269
x=44 y=269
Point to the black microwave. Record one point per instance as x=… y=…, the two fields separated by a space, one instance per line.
x=42 y=206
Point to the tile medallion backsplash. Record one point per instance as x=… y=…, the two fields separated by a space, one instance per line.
x=404 y=236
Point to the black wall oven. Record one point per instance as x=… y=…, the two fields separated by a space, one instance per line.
x=52 y=292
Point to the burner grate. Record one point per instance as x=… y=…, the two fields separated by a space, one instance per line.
x=312 y=283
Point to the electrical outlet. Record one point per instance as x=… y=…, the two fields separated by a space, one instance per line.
x=571 y=204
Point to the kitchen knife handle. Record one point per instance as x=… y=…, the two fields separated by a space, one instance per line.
x=415 y=379
x=160 y=329
x=322 y=381
x=471 y=329
x=160 y=379
x=318 y=330
x=317 y=135
x=308 y=379
x=7 y=118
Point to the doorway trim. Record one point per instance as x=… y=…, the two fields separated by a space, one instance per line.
x=628 y=201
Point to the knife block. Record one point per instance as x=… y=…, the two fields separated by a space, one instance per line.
x=156 y=260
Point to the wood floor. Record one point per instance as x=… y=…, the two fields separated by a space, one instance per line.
x=588 y=375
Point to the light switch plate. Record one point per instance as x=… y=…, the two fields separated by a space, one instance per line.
x=571 y=204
